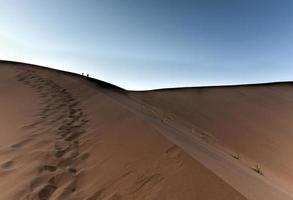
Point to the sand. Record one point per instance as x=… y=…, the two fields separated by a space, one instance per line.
x=65 y=136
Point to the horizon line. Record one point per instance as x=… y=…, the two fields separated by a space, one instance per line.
x=150 y=90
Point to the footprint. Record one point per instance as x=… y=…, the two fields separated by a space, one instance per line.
x=70 y=188
x=37 y=181
x=7 y=165
x=74 y=135
x=21 y=144
x=46 y=192
x=60 y=153
x=50 y=168
x=173 y=152
x=84 y=156
x=62 y=177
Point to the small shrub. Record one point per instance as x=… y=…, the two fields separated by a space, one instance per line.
x=236 y=156
x=258 y=169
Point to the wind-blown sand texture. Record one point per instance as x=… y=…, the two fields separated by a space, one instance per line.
x=64 y=136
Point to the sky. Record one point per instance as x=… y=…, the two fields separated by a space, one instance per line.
x=149 y=44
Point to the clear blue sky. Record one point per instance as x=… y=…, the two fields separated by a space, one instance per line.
x=149 y=44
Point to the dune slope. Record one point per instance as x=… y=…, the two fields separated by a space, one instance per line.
x=64 y=136
x=251 y=123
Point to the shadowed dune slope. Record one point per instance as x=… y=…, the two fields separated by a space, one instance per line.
x=63 y=136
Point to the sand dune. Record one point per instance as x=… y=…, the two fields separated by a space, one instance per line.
x=252 y=123
x=64 y=136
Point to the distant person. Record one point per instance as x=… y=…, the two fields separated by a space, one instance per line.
x=87 y=75
x=82 y=74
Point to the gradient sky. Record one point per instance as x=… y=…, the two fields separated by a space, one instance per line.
x=150 y=44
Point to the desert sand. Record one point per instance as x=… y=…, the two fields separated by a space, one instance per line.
x=66 y=136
